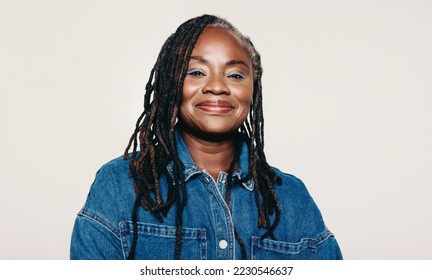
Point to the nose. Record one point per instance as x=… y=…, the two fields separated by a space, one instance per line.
x=216 y=85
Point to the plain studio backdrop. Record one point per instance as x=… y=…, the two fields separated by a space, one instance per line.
x=347 y=101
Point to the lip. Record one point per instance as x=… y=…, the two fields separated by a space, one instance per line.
x=215 y=106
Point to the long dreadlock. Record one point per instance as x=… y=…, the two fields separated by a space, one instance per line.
x=154 y=132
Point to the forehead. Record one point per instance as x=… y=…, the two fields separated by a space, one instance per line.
x=213 y=38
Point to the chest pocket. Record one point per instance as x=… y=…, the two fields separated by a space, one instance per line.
x=157 y=242
x=305 y=249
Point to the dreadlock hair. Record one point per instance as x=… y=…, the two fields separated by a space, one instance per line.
x=154 y=132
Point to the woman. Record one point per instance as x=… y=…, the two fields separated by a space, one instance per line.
x=200 y=186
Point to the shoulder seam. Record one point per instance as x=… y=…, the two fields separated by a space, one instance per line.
x=95 y=218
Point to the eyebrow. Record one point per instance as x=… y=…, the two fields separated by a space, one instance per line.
x=199 y=58
x=231 y=62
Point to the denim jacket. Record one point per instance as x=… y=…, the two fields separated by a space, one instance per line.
x=103 y=228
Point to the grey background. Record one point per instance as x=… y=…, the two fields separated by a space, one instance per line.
x=347 y=96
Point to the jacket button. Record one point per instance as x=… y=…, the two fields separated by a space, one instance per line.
x=223 y=244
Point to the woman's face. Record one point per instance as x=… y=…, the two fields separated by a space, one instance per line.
x=218 y=87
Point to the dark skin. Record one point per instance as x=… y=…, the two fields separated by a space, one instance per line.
x=210 y=156
x=217 y=93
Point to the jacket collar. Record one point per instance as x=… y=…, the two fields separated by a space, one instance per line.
x=191 y=169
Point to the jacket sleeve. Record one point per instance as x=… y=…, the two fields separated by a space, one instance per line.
x=329 y=250
x=92 y=239
x=96 y=234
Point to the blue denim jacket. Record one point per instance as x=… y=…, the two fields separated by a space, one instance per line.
x=103 y=228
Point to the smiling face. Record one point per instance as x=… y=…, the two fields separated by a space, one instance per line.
x=218 y=87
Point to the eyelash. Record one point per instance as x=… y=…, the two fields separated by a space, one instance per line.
x=237 y=75
x=197 y=72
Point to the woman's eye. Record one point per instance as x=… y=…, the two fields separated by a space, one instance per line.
x=236 y=75
x=195 y=72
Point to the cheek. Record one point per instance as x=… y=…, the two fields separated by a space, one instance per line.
x=189 y=90
x=246 y=95
x=186 y=92
x=245 y=100
x=190 y=87
x=184 y=109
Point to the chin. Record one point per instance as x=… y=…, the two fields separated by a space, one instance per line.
x=219 y=127
x=218 y=130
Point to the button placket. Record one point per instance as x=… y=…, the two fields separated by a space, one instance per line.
x=224 y=223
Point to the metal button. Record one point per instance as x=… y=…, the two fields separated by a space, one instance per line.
x=223 y=244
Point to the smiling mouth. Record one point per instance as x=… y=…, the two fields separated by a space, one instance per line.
x=218 y=107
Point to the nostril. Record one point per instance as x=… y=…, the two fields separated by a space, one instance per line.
x=216 y=86
x=216 y=92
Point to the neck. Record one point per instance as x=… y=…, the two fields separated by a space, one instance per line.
x=212 y=156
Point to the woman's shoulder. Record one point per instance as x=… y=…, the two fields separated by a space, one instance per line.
x=111 y=194
x=112 y=182
x=113 y=178
x=291 y=183
x=115 y=171
x=116 y=165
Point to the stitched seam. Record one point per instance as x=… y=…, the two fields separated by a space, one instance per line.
x=93 y=217
x=149 y=229
x=329 y=234
x=311 y=243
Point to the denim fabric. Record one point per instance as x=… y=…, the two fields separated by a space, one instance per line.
x=103 y=228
